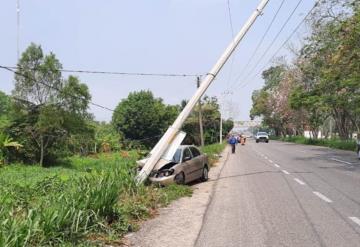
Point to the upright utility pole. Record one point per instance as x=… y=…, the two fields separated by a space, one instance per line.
x=18 y=28
x=221 y=124
x=200 y=116
x=171 y=133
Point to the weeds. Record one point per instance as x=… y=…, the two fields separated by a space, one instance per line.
x=213 y=151
x=88 y=202
x=65 y=206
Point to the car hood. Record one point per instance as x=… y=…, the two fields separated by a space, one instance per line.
x=166 y=158
x=160 y=164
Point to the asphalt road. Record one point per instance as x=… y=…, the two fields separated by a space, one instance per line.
x=282 y=194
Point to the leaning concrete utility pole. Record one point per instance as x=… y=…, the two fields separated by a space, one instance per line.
x=221 y=123
x=173 y=130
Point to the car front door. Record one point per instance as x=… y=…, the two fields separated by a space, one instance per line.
x=198 y=162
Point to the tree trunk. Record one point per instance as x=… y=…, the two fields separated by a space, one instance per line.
x=341 y=121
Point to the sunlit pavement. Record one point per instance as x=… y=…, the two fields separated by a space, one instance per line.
x=283 y=194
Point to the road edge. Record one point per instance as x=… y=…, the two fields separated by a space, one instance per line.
x=190 y=211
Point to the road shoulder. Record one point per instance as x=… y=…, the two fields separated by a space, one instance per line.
x=180 y=223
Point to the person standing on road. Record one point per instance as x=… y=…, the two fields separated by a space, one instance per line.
x=358 y=145
x=232 y=142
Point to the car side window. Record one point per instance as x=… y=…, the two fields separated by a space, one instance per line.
x=195 y=152
x=186 y=153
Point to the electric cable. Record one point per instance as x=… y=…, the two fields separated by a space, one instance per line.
x=54 y=88
x=271 y=43
x=283 y=44
x=120 y=73
x=261 y=41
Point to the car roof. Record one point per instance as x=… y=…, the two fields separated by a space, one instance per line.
x=187 y=146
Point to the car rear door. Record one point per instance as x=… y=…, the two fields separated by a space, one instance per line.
x=198 y=161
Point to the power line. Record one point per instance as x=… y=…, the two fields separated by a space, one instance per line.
x=120 y=73
x=261 y=41
x=54 y=88
x=230 y=19
x=284 y=43
x=232 y=36
x=272 y=42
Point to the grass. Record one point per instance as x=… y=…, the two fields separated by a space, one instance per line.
x=90 y=201
x=213 y=151
x=331 y=143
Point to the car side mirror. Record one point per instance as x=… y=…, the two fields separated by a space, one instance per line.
x=187 y=158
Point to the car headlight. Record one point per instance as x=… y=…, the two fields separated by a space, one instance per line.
x=166 y=173
x=169 y=172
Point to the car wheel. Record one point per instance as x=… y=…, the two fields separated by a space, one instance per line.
x=180 y=178
x=205 y=174
x=257 y=141
x=267 y=141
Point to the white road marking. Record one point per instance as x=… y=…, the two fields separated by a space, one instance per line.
x=342 y=161
x=271 y=161
x=322 y=196
x=276 y=165
x=299 y=181
x=285 y=171
x=355 y=219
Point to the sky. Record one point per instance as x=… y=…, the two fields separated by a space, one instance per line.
x=142 y=36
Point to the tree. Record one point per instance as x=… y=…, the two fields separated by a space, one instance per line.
x=330 y=62
x=6 y=143
x=5 y=108
x=51 y=108
x=323 y=84
x=106 y=136
x=143 y=117
x=211 y=122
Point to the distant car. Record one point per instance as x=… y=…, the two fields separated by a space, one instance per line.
x=188 y=164
x=262 y=137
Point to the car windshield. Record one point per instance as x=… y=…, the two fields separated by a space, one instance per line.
x=177 y=156
x=262 y=133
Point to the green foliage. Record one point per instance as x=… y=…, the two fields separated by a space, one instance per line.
x=213 y=151
x=331 y=143
x=5 y=108
x=89 y=201
x=323 y=84
x=106 y=136
x=141 y=116
x=6 y=143
x=210 y=120
x=52 y=112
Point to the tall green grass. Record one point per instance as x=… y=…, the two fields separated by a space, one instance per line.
x=85 y=202
x=213 y=151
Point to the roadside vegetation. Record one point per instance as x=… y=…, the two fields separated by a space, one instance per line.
x=349 y=145
x=213 y=151
x=320 y=89
x=91 y=200
x=67 y=179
